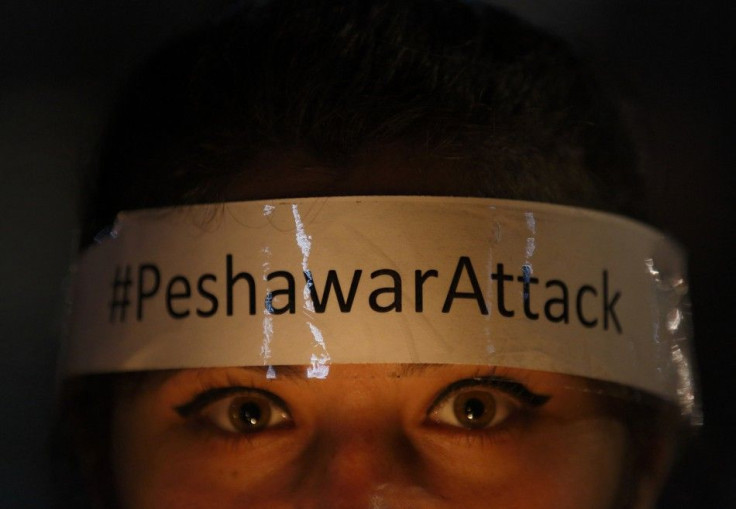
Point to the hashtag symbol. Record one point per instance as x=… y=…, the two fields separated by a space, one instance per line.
x=120 y=287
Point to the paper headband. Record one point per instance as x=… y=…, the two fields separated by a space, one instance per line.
x=317 y=281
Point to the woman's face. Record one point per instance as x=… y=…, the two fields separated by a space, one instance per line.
x=367 y=436
x=373 y=436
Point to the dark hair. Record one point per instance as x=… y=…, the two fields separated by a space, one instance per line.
x=509 y=109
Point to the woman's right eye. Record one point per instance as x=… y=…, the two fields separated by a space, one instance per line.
x=239 y=410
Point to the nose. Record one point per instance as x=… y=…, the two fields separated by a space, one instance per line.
x=363 y=462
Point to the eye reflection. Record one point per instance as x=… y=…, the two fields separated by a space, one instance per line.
x=480 y=403
x=238 y=409
x=476 y=409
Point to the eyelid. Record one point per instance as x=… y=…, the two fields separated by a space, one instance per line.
x=508 y=386
x=206 y=398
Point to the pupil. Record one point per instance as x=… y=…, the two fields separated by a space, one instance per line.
x=474 y=409
x=250 y=413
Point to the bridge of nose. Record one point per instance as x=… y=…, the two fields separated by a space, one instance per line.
x=361 y=447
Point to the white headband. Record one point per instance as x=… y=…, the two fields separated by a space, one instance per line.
x=317 y=281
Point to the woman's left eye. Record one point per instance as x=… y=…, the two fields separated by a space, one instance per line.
x=473 y=409
x=481 y=403
x=239 y=410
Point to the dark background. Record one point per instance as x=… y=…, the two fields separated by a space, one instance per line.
x=61 y=63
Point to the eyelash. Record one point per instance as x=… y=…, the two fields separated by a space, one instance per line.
x=517 y=395
x=482 y=392
x=221 y=403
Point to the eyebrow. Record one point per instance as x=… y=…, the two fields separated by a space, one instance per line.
x=419 y=369
x=288 y=372
x=298 y=372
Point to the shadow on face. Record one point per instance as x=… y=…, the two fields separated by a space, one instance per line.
x=370 y=436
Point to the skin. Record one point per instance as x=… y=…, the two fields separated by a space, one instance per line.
x=367 y=436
